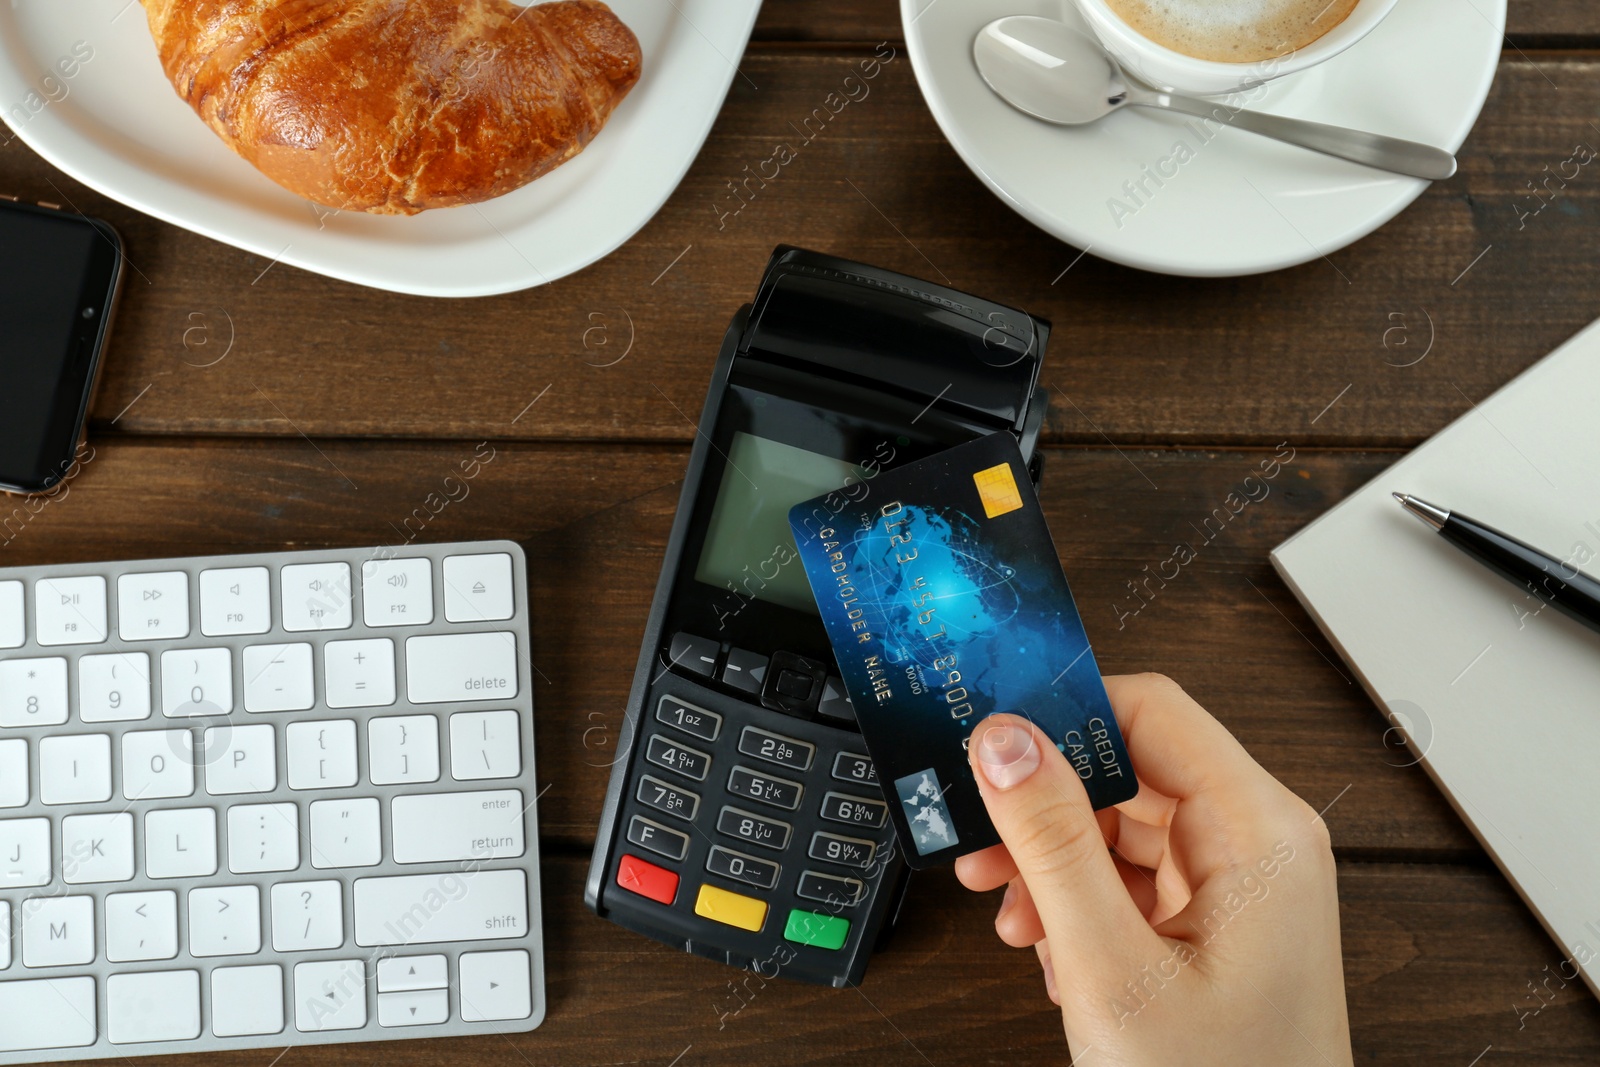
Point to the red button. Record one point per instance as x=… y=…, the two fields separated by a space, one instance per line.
x=647 y=879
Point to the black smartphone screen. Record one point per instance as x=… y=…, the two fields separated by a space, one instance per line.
x=57 y=282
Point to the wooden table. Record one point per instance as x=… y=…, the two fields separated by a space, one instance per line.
x=338 y=409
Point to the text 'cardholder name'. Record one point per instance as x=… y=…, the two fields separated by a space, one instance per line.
x=945 y=602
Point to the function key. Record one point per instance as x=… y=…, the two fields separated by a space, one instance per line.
x=763 y=874
x=235 y=600
x=153 y=606
x=756 y=829
x=816 y=929
x=831 y=889
x=744 y=671
x=69 y=611
x=849 y=767
x=734 y=909
x=849 y=851
x=667 y=753
x=646 y=879
x=835 y=702
x=666 y=797
x=647 y=833
x=778 y=792
x=316 y=596
x=857 y=811
x=478 y=588
x=775 y=748
x=697 y=655
x=13 y=629
x=397 y=592
x=690 y=719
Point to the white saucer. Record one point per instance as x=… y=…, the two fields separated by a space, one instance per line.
x=117 y=126
x=1241 y=204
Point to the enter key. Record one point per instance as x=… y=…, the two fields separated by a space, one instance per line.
x=436 y=827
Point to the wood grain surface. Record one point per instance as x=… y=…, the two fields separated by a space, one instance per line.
x=251 y=406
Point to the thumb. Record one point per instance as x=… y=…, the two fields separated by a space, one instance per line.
x=1039 y=807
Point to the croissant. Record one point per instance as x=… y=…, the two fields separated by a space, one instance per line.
x=396 y=106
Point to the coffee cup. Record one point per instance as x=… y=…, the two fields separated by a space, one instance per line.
x=1167 y=68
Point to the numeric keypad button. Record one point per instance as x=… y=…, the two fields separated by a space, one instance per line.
x=235 y=600
x=756 y=829
x=691 y=720
x=857 y=811
x=668 y=798
x=831 y=889
x=153 y=607
x=850 y=767
x=114 y=688
x=316 y=596
x=754 y=785
x=763 y=874
x=663 y=841
x=69 y=611
x=849 y=851
x=669 y=755
x=775 y=748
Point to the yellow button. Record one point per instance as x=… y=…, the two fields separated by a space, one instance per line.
x=735 y=909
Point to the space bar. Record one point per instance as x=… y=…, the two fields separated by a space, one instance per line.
x=426 y=908
x=46 y=1013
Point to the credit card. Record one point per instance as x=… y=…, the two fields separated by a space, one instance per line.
x=945 y=602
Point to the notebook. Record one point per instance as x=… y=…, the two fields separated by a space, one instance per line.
x=1499 y=700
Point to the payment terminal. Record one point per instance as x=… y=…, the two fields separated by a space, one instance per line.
x=744 y=820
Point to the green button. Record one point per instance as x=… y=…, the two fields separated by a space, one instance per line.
x=815 y=929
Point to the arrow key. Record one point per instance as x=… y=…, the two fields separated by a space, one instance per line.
x=422 y=1007
x=407 y=974
x=496 y=986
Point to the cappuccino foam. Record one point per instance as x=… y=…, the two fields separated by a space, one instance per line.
x=1233 y=31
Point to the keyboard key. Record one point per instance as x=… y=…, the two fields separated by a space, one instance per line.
x=756 y=829
x=457 y=826
x=240 y=759
x=647 y=879
x=69 y=611
x=322 y=755
x=461 y=667
x=423 y=1007
x=857 y=811
x=831 y=889
x=850 y=851
x=225 y=921
x=397 y=592
x=407 y=974
x=235 y=600
x=157 y=764
x=403 y=749
x=359 y=674
x=97 y=848
x=344 y=833
x=409 y=909
x=733 y=909
x=763 y=874
x=316 y=596
x=668 y=754
x=307 y=916
x=330 y=995
x=75 y=769
x=24 y=853
x=496 y=986
x=33 y=692
x=196 y=681
x=478 y=588
x=58 y=932
x=278 y=678
x=849 y=767
x=142 y=926
x=181 y=843
x=688 y=718
x=247 y=1001
x=485 y=744
x=13 y=623
x=698 y=655
x=47 y=1013
x=663 y=841
x=114 y=688
x=153 y=607
x=263 y=837
x=153 y=1007
x=835 y=702
x=816 y=929
x=744 y=670
x=5 y=934
x=775 y=748
x=779 y=792
x=668 y=798
x=13 y=774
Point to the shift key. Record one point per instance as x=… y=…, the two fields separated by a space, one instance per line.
x=455 y=667
x=431 y=908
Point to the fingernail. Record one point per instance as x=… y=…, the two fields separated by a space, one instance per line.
x=1007 y=755
x=1050 y=981
x=1007 y=900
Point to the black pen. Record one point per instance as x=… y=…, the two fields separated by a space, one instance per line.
x=1553 y=581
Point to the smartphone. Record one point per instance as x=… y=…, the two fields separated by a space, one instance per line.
x=59 y=277
x=744 y=819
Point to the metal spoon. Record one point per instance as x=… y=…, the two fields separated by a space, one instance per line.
x=1046 y=69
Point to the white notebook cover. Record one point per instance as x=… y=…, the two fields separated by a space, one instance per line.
x=1499 y=699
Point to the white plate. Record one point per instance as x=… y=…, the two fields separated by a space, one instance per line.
x=1242 y=204
x=117 y=126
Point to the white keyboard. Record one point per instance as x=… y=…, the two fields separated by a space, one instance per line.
x=267 y=800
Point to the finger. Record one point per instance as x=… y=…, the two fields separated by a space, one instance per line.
x=1043 y=949
x=1037 y=803
x=986 y=869
x=1018 y=922
x=1140 y=843
x=1142 y=886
